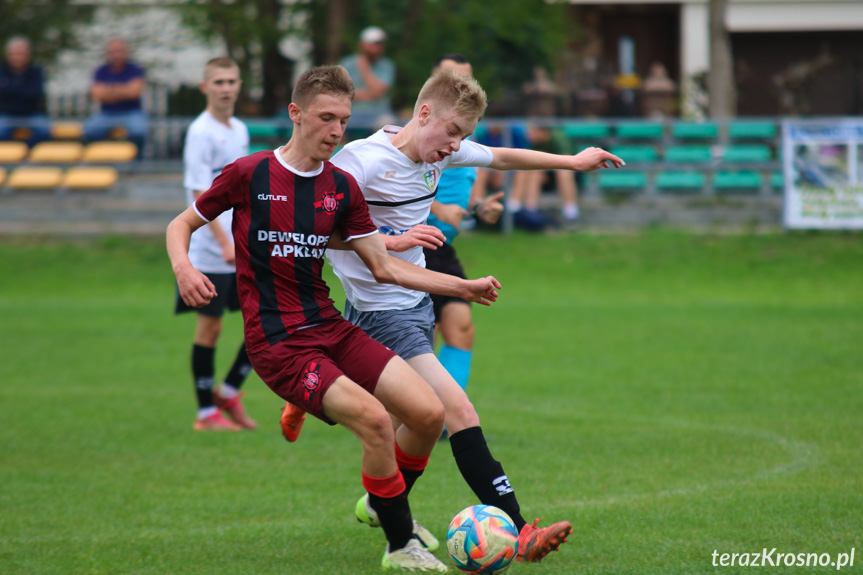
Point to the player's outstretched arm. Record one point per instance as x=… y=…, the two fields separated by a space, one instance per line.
x=195 y=289
x=586 y=160
x=389 y=269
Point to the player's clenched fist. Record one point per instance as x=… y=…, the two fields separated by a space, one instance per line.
x=195 y=289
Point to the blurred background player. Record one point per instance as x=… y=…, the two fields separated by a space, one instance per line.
x=455 y=199
x=215 y=139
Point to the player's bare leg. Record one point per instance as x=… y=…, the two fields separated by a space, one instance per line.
x=368 y=418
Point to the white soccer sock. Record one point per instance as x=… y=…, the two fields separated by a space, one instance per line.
x=570 y=211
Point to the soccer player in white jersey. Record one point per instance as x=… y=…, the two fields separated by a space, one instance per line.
x=215 y=139
x=398 y=170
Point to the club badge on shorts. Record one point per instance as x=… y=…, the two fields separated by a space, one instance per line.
x=311 y=380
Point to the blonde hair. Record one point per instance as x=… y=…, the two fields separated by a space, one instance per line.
x=220 y=63
x=447 y=91
x=333 y=80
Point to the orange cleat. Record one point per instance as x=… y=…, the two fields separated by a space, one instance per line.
x=234 y=409
x=215 y=423
x=292 y=421
x=534 y=542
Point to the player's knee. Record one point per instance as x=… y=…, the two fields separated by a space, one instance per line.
x=461 y=415
x=430 y=421
x=376 y=428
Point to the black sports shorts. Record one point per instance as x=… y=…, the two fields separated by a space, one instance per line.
x=445 y=261
x=226 y=288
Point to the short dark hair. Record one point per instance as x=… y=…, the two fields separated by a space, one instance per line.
x=333 y=80
x=454 y=56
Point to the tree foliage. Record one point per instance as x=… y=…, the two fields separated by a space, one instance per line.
x=48 y=24
x=504 y=39
x=251 y=31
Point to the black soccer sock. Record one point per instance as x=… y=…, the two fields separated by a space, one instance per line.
x=203 y=368
x=241 y=368
x=391 y=505
x=394 y=514
x=483 y=473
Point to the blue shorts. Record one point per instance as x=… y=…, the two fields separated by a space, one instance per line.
x=408 y=332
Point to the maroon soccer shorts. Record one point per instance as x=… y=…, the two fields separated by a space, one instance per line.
x=301 y=367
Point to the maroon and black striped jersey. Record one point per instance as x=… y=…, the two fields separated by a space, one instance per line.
x=283 y=220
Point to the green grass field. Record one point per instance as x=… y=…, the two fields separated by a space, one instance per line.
x=670 y=394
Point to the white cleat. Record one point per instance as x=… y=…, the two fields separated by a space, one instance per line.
x=412 y=557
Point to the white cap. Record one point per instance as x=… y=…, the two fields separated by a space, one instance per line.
x=373 y=35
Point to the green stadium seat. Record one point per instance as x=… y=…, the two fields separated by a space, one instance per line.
x=683 y=154
x=635 y=154
x=777 y=180
x=743 y=180
x=680 y=180
x=622 y=180
x=259 y=129
x=640 y=130
x=695 y=130
x=587 y=131
x=752 y=130
x=253 y=148
x=747 y=153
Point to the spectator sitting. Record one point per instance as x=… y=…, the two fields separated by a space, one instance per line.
x=117 y=87
x=373 y=75
x=22 y=95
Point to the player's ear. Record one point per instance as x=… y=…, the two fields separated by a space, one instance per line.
x=294 y=112
x=424 y=114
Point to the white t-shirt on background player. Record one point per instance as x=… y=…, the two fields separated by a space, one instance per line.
x=210 y=146
x=399 y=193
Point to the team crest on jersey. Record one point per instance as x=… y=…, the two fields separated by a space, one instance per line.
x=431 y=176
x=329 y=203
x=311 y=380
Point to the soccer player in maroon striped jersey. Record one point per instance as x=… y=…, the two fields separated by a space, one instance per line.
x=289 y=206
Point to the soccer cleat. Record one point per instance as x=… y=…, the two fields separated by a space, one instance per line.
x=215 y=422
x=291 y=421
x=234 y=409
x=365 y=514
x=534 y=542
x=412 y=557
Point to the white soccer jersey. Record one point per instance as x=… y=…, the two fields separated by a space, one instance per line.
x=399 y=193
x=210 y=146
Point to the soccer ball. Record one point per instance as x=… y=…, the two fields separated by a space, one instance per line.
x=482 y=539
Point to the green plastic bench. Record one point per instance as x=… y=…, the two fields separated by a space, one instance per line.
x=683 y=154
x=695 y=131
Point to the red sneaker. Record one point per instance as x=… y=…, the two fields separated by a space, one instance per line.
x=534 y=542
x=234 y=409
x=292 y=421
x=215 y=423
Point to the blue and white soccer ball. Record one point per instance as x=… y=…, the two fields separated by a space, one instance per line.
x=482 y=539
